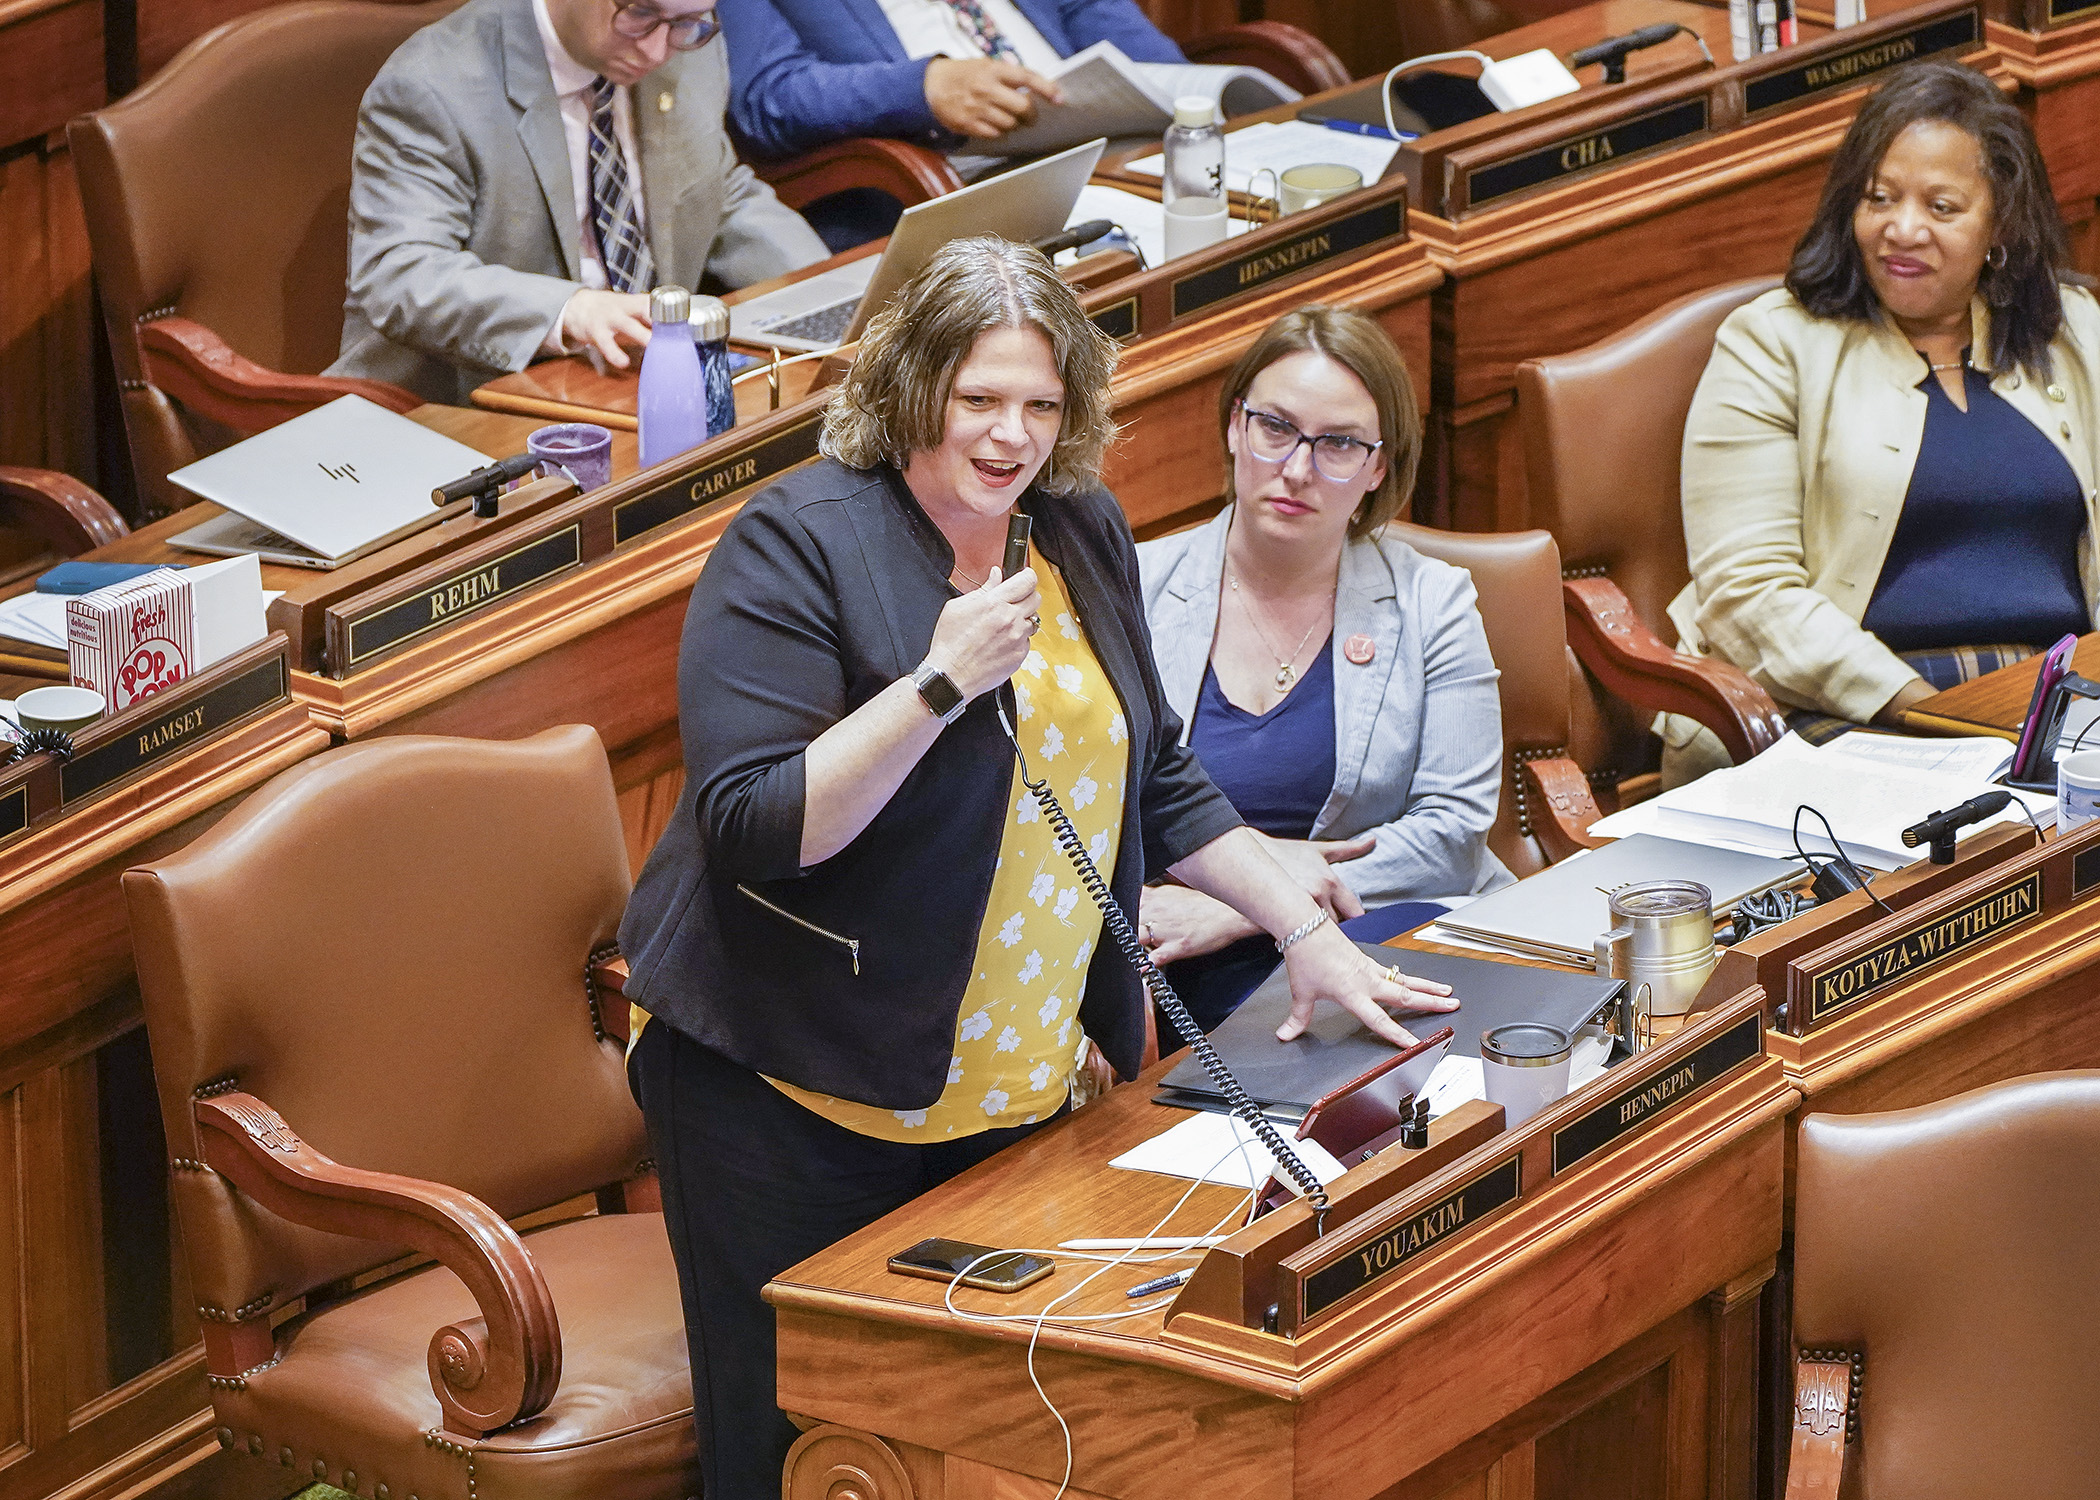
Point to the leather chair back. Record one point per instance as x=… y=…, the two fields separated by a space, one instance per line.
x=1425 y=26
x=220 y=192
x=1954 y=1244
x=1517 y=576
x=274 y=955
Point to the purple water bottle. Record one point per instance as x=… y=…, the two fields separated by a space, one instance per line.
x=711 y=334
x=671 y=402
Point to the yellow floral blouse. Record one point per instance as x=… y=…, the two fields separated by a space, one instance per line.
x=1017 y=1039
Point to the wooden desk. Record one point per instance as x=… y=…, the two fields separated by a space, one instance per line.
x=1997 y=702
x=102 y=1387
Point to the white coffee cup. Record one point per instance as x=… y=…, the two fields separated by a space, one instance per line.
x=1525 y=1068
x=71 y=709
x=2077 y=789
x=1314 y=182
x=1194 y=224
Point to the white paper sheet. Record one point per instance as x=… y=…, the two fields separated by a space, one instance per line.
x=1282 y=144
x=39 y=619
x=1202 y=1149
x=1978 y=758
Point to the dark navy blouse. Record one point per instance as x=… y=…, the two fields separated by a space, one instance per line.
x=1277 y=768
x=1986 y=551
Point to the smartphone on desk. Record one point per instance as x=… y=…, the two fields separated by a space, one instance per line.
x=994 y=1270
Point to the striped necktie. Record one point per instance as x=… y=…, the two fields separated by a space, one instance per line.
x=979 y=28
x=628 y=265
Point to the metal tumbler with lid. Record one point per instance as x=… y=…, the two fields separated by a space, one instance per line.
x=1662 y=935
x=710 y=324
x=1524 y=1067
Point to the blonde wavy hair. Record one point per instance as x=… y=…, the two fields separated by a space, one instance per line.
x=894 y=401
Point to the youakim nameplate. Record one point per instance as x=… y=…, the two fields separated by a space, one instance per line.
x=1384 y=1252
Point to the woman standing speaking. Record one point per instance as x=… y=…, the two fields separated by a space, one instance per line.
x=869 y=966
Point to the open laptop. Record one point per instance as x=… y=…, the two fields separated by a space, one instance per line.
x=826 y=311
x=331 y=485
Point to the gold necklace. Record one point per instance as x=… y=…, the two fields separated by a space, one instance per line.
x=1286 y=668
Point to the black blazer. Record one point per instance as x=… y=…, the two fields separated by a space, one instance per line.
x=847 y=978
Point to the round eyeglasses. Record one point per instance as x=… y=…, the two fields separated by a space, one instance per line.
x=1273 y=440
x=689 y=32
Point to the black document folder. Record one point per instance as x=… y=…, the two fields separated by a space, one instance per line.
x=1286 y=1077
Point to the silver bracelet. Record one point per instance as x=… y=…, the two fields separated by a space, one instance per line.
x=1303 y=930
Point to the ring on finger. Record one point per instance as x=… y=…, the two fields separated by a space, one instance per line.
x=1035 y=623
x=1391 y=975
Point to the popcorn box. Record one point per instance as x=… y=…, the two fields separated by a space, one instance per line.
x=140 y=637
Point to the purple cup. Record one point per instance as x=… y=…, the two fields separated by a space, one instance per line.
x=583 y=448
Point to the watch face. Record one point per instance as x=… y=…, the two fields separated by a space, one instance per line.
x=940 y=696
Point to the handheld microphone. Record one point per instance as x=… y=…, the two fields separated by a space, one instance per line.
x=484 y=484
x=1017 y=528
x=1939 y=829
x=1612 y=50
x=1077 y=235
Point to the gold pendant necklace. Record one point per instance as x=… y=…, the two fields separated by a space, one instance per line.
x=1286 y=669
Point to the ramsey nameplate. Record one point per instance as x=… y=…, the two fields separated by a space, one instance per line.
x=1251 y=272
x=14 y=812
x=1436 y=1225
x=175 y=729
x=1659 y=1093
x=1904 y=955
x=758 y=463
x=1119 y=320
x=464 y=593
x=1847 y=68
x=1584 y=153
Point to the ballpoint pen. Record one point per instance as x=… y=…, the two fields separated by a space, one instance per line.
x=1353 y=127
x=1165 y=1283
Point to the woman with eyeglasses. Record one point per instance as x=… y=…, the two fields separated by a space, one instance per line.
x=1335 y=683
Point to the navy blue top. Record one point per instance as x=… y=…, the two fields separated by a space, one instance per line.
x=1277 y=768
x=1986 y=551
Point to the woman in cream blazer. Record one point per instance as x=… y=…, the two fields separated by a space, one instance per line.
x=1804 y=437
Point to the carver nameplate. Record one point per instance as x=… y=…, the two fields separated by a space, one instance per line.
x=185 y=723
x=1930 y=941
x=14 y=812
x=1288 y=257
x=463 y=593
x=1589 y=152
x=1644 y=1103
x=1847 y=68
x=1384 y=1253
x=755 y=463
x=1119 y=320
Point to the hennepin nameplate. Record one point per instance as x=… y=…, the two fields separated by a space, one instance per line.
x=1586 y=152
x=1659 y=1093
x=1257 y=268
x=463 y=593
x=1933 y=940
x=757 y=463
x=179 y=727
x=1383 y=1254
x=1860 y=64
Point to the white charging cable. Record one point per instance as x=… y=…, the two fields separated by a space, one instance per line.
x=1385 y=92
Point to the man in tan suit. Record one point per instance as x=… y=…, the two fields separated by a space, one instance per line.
x=525 y=170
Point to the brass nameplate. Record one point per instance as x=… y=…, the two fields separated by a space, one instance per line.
x=2085 y=864
x=14 y=812
x=1920 y=946
x=1119 y=320
x=1586 y=153
x=1257 y=268
x=175 y=729
x=755 y=463
x=2064 y=10
x=1384 y=1253
x=466 y=592
x=1658 y=1094
x=1847 y=68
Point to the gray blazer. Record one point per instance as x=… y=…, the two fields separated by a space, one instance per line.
x=1429 y=798
x=464 y=245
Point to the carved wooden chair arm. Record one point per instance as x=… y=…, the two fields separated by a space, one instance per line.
x=1294 y=55
x=1557 y=795
x=1825 y=1416
x=58 y=508
x=1625 y=656
x=910 y=174
x=488 y=1371
x=199 y=370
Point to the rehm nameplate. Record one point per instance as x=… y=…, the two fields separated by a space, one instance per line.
x=1589 y=152
x=1861 y=63
x=1641 y=1105
x=755 y=463
x=1316 y=247
x=1919 y=947
x=1413 y=1237
x=466 y=592
x=184 y=724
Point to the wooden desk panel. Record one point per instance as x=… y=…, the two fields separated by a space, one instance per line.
x=2058 y=70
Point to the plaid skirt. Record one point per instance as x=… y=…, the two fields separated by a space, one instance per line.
x=1945 y=667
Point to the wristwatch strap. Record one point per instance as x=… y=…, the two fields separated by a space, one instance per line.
x=942 y=698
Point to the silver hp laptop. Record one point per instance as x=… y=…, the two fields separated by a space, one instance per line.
x=829 y=310
x=323 y=488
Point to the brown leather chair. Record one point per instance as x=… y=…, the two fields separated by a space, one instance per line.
x=1603 y=431
x=217 y=201
x=1425 y=26
x=1946 y=1293
x=1294 y=55
x=46 y=516
x=1546 y=803
x=375 y=1028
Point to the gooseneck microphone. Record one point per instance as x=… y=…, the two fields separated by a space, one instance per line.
x=485 y=485
x=1075 y=236
x=1612 y=50
x=1939 y=829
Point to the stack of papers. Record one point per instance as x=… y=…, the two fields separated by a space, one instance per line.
x=39 y=619
x=1108 y=94
x=1870 y=786
x=1281 y=144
